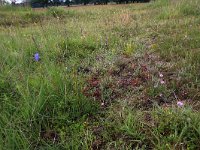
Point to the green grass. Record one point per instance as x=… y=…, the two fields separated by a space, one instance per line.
x=97 y=84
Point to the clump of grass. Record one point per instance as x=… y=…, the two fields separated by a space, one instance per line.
x=83 y=48
x=33 y=17
x=168 y=128
x=172 y=9
x=8 y=8
x=176 y=128
x=159 y=3
x=22 y=18
x=60 y=12
x=130 y=48
x=189 y=8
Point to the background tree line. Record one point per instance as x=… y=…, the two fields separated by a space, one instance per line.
x=45 y=3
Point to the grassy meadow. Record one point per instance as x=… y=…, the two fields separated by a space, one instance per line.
x=108 y=77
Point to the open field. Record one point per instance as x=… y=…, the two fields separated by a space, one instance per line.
x=101 y=77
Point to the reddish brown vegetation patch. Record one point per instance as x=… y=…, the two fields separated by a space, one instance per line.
x=137 y=79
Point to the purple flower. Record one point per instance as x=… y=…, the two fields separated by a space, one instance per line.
x=161 y=75
x=36 y=56
x=180 y=104
x=162 y=81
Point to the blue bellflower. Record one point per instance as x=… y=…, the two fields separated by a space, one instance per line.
x=36 y=56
